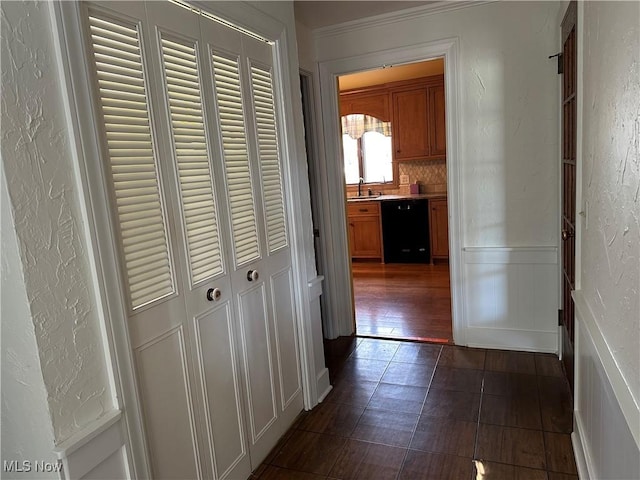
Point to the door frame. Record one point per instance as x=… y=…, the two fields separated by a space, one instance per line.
x=339 y=319
x=100 y=236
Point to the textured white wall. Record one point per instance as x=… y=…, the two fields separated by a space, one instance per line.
x=45 y=205
x=26 y=428
x=611 y=179
x=508 y=112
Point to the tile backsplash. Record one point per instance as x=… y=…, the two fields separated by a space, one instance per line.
x=430 y=174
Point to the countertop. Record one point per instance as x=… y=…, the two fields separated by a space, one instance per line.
x=382 y=198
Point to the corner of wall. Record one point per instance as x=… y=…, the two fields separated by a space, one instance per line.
x=45 y=203
x=27 y=433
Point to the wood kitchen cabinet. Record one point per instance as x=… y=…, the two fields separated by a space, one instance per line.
x=410 y=127
x=439 y=229
x=375 y=104
x=418 y=120
x=437 y=122
x=416 y=110
x=365 y=232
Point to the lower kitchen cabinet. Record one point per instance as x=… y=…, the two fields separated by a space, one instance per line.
x=439 y=228
x=365 y=237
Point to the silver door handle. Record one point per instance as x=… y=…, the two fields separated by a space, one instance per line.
x=214 y=294
x=252 y=275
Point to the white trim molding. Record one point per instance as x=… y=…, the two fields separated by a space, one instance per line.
x=100 y=445
x=512 y=297
x=606 y=437
x=397 y=16
x=333 y=230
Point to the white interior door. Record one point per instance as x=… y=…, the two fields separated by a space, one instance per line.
x=188 y=117
x=261 y=266
x=151 y=264
x=184 y=74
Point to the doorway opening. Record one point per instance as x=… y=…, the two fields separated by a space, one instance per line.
x=394 y=152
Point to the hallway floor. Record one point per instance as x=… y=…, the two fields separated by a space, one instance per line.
x=403 y=301
x=401 y=410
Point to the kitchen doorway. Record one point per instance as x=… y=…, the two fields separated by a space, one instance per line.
x=394 y=150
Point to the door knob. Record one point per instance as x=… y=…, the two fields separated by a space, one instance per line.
x=214 y=294
x=566 y=234
x=252 y=275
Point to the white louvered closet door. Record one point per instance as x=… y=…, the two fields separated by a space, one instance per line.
x=188 y=116
x=189 y=132
x=260 y=256
x=152 y=265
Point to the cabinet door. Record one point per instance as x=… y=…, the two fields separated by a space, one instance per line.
x=410 y=130
x=364 y=233
x=439 y=228
x=376 y=105
x=437 y=132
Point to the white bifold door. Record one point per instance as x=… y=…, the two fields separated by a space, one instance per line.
x=186 y=110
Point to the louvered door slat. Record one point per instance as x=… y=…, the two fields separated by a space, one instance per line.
x=270 y=165
x=123 y=99
x=242 y=208
x=199 y=214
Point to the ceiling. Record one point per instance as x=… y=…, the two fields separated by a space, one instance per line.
x=315 y=14
x=391 y=73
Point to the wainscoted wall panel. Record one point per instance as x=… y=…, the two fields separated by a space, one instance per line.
x=603 y=436
x=98 y=451
x=114 y=466
x=512 y=299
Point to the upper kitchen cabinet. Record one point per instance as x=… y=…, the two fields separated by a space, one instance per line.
x=437 y=129
x=410 y=124
x=418 y=119
x=374 y=104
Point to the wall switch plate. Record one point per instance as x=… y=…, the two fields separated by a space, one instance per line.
x=404 y=179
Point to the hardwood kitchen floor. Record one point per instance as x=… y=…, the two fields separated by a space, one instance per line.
x=412 y=411
x=403 y=301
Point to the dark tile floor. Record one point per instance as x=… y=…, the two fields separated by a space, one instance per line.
x=403 y=410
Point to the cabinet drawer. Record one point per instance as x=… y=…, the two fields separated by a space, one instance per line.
x=363 y=208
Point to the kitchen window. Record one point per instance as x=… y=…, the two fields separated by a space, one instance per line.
x=366 y=144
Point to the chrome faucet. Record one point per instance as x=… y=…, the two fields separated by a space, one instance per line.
x=360 y=182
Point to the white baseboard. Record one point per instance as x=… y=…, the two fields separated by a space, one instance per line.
x=324 y=385
x=582 y=461
x=512 y=339
x=97 y=451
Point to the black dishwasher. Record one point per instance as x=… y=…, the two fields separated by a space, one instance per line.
x=405 y=231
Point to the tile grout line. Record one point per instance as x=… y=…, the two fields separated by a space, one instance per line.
x=475 y=443
x=544 y=437
x=415 y=428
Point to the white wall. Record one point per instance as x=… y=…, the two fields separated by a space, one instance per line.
x=27 y=434
x=44 y=201
x=607 y=411
x=508 y=111
x=506 y=166
x=611 y=179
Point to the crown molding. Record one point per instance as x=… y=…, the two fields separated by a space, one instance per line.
x=395 y=17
